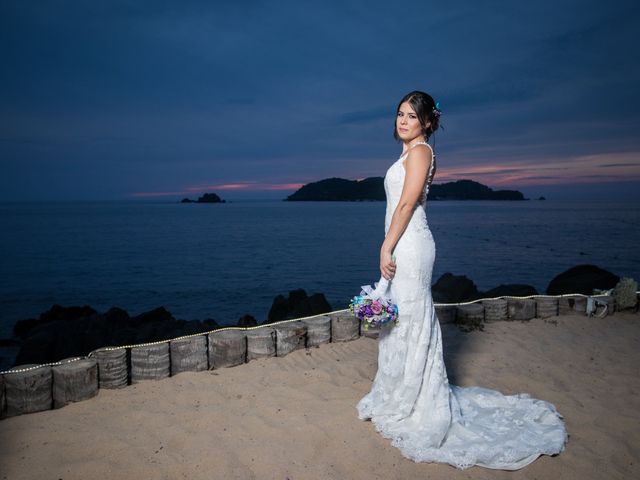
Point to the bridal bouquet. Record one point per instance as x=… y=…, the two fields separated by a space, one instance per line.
x=375 y=306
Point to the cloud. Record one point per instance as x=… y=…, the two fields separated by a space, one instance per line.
x=157 y=96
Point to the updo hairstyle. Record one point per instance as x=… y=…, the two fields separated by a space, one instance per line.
x=426 y=110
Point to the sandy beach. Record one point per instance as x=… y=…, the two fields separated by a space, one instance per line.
x=294 y=417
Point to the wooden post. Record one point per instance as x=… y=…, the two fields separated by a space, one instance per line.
x=3 y=403
x=112 y=368
x=521 y=308
x=74 y=381
x=373 y=332
x=572 y=304
x=446 y=313
x=546 y=307
x=289 y=337
x=261 y=342
x=318 y=330
x=29 y=391
x=611 y=303
x=189 y=354
x=471 y=315
x=495 y=310
x=227 y=348
x=345 y=326
x=150 y=362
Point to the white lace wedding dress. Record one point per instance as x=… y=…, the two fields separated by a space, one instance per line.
x=411 y=401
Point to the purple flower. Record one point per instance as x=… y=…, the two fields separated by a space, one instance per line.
x=376 y=307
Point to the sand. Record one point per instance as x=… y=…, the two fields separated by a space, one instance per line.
x=294 y=417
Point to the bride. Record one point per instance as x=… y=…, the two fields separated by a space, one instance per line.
x=411 y=401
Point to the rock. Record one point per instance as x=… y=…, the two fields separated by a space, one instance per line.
x=54 y=314
x=511 y=290
x=453 y=289
x=340 y=189
x=582 y=279
x=247 y=321
x=297 y=305
x=206 y=198
x=210 y=198
x=75 y=331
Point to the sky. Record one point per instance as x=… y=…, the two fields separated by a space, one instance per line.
x=157 y=101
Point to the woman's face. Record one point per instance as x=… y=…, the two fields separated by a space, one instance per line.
x=407 y=123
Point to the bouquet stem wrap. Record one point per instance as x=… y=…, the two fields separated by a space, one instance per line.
x=381 y=291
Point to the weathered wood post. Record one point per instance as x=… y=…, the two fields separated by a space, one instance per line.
x=546 y=307
x=289 y=337
x=611 y=303
x=3 y=403
x=318 y=330
x=189 y=354
x=471 y=315
x=372 y=332
x=150 y=362
x=572 y=304
x=30 y=391
x=112 y=368
x=495 y=309
x=446 y=313
x=227 y=348
x=261 y=342
x=74 y=381
x=521 y=308
x=345 y=326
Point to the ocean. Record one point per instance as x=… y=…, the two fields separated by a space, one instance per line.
x=222 y=261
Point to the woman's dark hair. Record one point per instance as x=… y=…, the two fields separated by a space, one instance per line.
x=425 y=108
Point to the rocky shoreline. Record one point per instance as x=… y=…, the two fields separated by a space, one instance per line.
x=63 y=332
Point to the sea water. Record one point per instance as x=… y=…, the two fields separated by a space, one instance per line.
x=222 y=261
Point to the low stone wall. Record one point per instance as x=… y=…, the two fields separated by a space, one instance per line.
x=34 y=388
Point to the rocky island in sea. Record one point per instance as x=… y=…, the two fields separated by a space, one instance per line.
x=340 y=189
x=206 y=198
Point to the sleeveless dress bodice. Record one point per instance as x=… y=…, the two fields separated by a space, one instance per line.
x=411 y=401
x=393 y=183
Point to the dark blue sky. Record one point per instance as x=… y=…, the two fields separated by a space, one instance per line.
x=161 y=100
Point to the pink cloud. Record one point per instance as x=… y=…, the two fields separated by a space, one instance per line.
x=601 y=168
x=244 y=186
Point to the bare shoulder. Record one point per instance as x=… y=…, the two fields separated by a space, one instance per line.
x=420 y=156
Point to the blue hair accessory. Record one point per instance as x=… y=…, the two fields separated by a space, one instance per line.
x=436 y=110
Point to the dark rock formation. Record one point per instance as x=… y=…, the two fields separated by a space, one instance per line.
x=582 y=279
x=247 y=321
x=206 y=198
x=63 y=332
x=511 y=290
x=297 y=305
x=339 y=189
x=470 y=190
x=453 y=289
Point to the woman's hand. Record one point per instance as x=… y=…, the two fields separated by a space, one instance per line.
x=387 y=265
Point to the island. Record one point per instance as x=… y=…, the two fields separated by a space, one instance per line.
x=372 y=189
x=206 y=198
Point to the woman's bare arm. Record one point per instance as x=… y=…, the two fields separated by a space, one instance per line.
x=417 y=166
